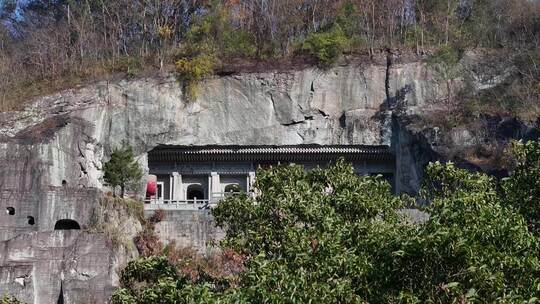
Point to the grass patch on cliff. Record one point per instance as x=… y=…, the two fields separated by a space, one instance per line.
x=133 y=207
x=112 y=218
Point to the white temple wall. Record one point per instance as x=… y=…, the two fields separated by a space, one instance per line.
x=240 y=180
x=196 y=182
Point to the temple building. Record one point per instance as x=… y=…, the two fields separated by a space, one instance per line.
x=188 y=177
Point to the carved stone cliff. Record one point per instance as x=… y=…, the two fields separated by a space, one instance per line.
x=51 y=153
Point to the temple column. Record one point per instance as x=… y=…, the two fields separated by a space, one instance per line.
x=251 y=180
x=177 y=189
x=171 y=186
x=215 y=184
x=209 y=188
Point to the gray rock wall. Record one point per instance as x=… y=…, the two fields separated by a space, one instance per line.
x=188 y=229
x=37 y=267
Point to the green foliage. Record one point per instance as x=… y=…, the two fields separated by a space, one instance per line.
x=9 y=300
x=326 y=46
x=55 y=51
x=349 y=20
x=123 y=296
x=148 y=269
x=472 y=241
x=522 y=189
x=209 y=37
x=155 y=280
x=193 y=70
x=445 y=61
x=301 y=231
x=330 y=236
x=122 y=170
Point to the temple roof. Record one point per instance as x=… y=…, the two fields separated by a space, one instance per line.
x=268 y=153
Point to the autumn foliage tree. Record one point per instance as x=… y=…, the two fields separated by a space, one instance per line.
x=46 y=45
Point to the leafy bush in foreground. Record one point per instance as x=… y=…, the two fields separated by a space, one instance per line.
x=329 y=236
x=522 y=189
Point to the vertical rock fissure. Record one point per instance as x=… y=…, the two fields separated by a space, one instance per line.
x=61 y=295
x=387 y=77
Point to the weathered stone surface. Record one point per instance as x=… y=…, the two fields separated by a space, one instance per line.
x=38 y=266
x=189 y=229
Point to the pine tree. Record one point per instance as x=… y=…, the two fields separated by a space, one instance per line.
x=122 y=170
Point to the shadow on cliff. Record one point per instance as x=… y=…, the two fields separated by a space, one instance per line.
x=413 y=150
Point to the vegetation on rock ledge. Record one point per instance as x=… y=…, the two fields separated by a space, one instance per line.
x=9 y=300
x=48 y=45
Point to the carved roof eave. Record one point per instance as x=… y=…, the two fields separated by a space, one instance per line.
x=268 y=153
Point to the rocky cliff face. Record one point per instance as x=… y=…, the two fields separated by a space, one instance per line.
x=51 y=153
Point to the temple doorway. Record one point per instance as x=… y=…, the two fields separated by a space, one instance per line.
x=195 y=191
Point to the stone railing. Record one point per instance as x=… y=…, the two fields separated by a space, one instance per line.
x=194 y=204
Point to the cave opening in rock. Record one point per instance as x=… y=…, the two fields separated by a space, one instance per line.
x=10 y=210
x=64 y=182
x=31 y=220
x=66 y=224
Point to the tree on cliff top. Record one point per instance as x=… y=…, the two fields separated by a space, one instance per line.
x=122 y=170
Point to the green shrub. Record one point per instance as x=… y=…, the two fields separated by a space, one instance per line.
x=349 y=20
x=147 y=269
x=214 y=34
x=326 y=46
x=473 y=244
x=447 y=57
x=237 y=43
x=522 y=188
x=9 y=300
x=193 y=70
x=330 y=236
x=123 y=296
x=149 y=280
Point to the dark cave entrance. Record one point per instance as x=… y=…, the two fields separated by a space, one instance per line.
x=66 y=224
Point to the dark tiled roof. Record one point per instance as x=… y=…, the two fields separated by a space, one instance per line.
x=271 y=153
